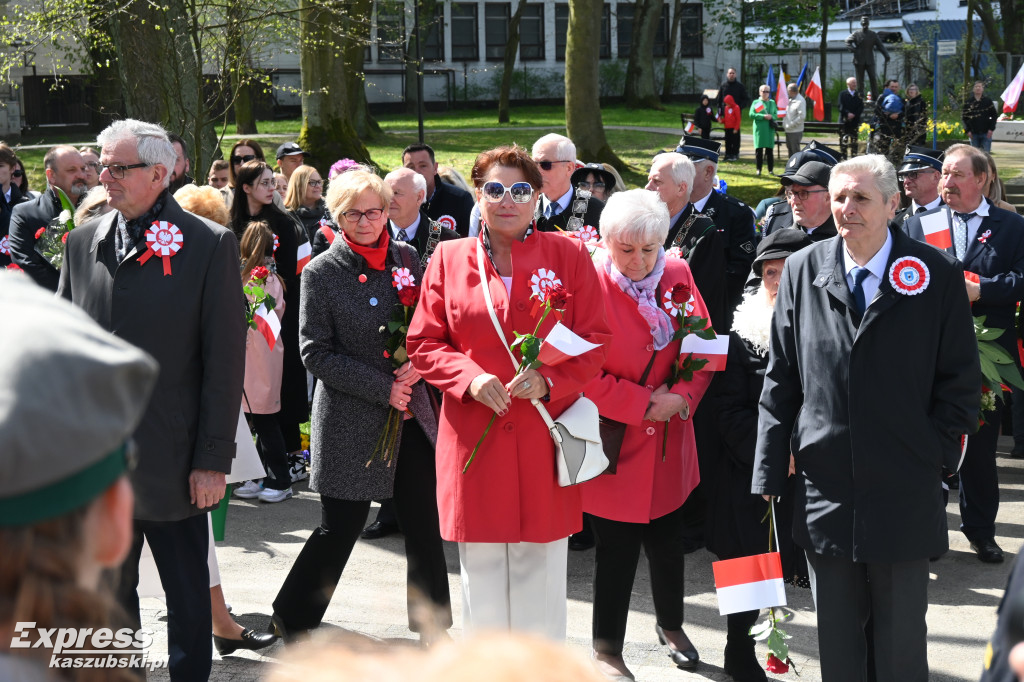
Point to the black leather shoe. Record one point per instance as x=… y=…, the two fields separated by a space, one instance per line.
x=988 y=551
x=378 y=529
x=251 y=640
x=687 y=659
x=581 y=541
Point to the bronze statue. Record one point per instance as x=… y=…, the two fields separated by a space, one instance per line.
x=863 y=44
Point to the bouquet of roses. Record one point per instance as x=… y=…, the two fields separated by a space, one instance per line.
x=398 y=328
x=50 y=240
x=259 y=304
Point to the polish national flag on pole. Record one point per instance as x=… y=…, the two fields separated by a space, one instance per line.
x=1011 y=95
x=749 y=583
x=814 y=92
x=303 y=255
x=561 y=344
x=715 y=351
x=268 y=325
x=781 y=95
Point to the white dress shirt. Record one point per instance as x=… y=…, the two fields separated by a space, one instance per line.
x=934 y=204
x=875 y=266
x=410 y=231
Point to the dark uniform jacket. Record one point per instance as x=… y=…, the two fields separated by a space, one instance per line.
x=192 y=323
x=5 y=220
x=870 y=428
x=703 y=246
x=26 y=219
x=979 y=115
x=560 y=221
x=780 y=216
x=450 y=206
x=736 y=220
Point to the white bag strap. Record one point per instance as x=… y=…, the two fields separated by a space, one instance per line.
x=548 y=421
x=775 y=526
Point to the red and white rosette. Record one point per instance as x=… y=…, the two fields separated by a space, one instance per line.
x=163 y=239
x=587 y=234
x=675 y=252
x=403 y=278
x=276 y=243
x=909 y=276
x=672 y=308
x=5 y=247
x=447 y=221
x=542 y=282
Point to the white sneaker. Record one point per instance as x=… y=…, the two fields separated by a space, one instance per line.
x=271 y=495
x=248 y=490
x=297 y=469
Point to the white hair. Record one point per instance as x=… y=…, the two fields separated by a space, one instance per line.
x=681 y=168
x=151 y=143
x=418 y=181
x=877 y=166
x=566 y=150
x=635 y=215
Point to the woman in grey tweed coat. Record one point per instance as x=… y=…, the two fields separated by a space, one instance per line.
x=347 y=297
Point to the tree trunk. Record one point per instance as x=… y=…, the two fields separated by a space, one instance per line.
x=673 y=47
x=743 y=41
x=355 y=35
x=640 y=90
x=511 y=47
x=160 y=58
x=237 y=78
x=582 y=110
x=968 y=45
x=326 y=130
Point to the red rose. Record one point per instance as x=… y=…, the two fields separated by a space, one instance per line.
x=558 y=297
x=408 y=296
x=387 y=354
x=258 y=273
x=681 y=294
x=40 y=232
x=774 y=665
x=64 y=239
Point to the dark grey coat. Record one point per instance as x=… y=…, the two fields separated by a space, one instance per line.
x=343 y=347
x=870 y=412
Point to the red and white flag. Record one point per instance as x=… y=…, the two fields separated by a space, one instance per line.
x=303 y=255
x=715 y=350
x=936 y=230
x=814 y=92
x=561 y=344
x=759 y=106
x=267 y=324
x=749 y=583
x=689 y=128
x=781 y=95
x=1011 y=95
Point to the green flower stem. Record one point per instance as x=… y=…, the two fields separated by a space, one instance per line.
x=480 y=442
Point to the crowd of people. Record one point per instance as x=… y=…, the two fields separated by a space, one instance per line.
x=391 y=311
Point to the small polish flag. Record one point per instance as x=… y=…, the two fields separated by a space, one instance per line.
x=268 y=325
x=1011 y=95
x=749 y=583
x=561 y=344
x=759 y=106
x=304 y=253
x=782 y=95
x=689 y=128
x=715 y=351
x=936 y=230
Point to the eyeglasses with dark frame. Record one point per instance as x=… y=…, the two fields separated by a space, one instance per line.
x=354 y=216
x=591 y=185
x=915 y=174
x=235 y=160
x=493 y=192
x=547 y=165
x=117 y=170
x=17 y=173
x=316 y=183
x=803 y=194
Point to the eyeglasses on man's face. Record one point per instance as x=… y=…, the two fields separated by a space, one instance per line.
x=521 y=192
x=547 y=165
x=803 y=194
x=354 y=216
x=117 y=170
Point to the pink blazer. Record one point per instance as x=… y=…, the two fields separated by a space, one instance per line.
x=264 y=367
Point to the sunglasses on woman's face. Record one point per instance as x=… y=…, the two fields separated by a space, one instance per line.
x=521 y=192
x=243 y=159
x=17 y=173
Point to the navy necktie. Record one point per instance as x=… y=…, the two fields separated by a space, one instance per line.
x=552 y=210
x=859 y=275
x=402 y=236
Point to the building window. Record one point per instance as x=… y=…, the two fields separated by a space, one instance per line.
x=624 y=13
x=496 y=19
x=432 y=35
x=465 y=42
x=390 y=31
x=661 y=37
x=531 y=32
x=562 y=31
x=691 y=28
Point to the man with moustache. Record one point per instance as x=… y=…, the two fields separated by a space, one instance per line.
x=989 y=242
x=919 y=173
x=65 y=173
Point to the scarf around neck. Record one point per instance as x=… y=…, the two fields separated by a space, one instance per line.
x=644 y=293
x=374 y=255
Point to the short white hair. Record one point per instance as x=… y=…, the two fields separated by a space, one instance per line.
x=681 y=167
x=877 y=166
x=418 y=181
x=565 y=150
x=151 y=143
x=635 y=215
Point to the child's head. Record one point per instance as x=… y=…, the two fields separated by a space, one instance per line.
x=256 y=245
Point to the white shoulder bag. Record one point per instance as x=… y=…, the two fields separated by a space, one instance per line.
x=579 y=455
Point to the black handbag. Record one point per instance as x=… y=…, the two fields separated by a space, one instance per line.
x=612 y=432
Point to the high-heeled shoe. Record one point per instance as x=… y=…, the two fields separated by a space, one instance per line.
x=687 y=659
x=250 y=640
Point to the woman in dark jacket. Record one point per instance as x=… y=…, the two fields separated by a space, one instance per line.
x=737 y=527
x=253 y=199
x=704 y=116
x=915 y=112
x=305 y=202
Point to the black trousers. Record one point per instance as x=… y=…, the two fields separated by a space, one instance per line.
x=761 y=152
x=979 y=482
x=310 y=584
x=732 y=142
x=617 y=556
x=895 y=598
x=180 y=549
x=273 y=451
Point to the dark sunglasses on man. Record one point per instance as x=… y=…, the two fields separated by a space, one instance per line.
x=547 y=165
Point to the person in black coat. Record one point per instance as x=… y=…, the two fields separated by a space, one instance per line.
x=304 y=200
x=732 y=86
x=737 y=525
x=703 y=117
x=449 y=205
x=559 y=208
x=10 y=196
x=65 y=170
x=915 y=112
x=868 y=430
x=979 y=114
x=851 y=108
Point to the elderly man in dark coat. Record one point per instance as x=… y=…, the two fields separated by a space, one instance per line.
x=167 y=281
x=869 y=429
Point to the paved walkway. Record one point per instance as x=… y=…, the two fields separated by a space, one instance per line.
x=263 y=540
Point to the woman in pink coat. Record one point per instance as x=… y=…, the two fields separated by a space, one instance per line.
x=507 y=512
x=640 y=505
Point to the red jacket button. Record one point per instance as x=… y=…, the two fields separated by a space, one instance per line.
x=520 y=306
x=650 y=430
x=509 y=426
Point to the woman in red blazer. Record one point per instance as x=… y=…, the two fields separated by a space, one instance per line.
x=507 y=512
x=640 y=505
